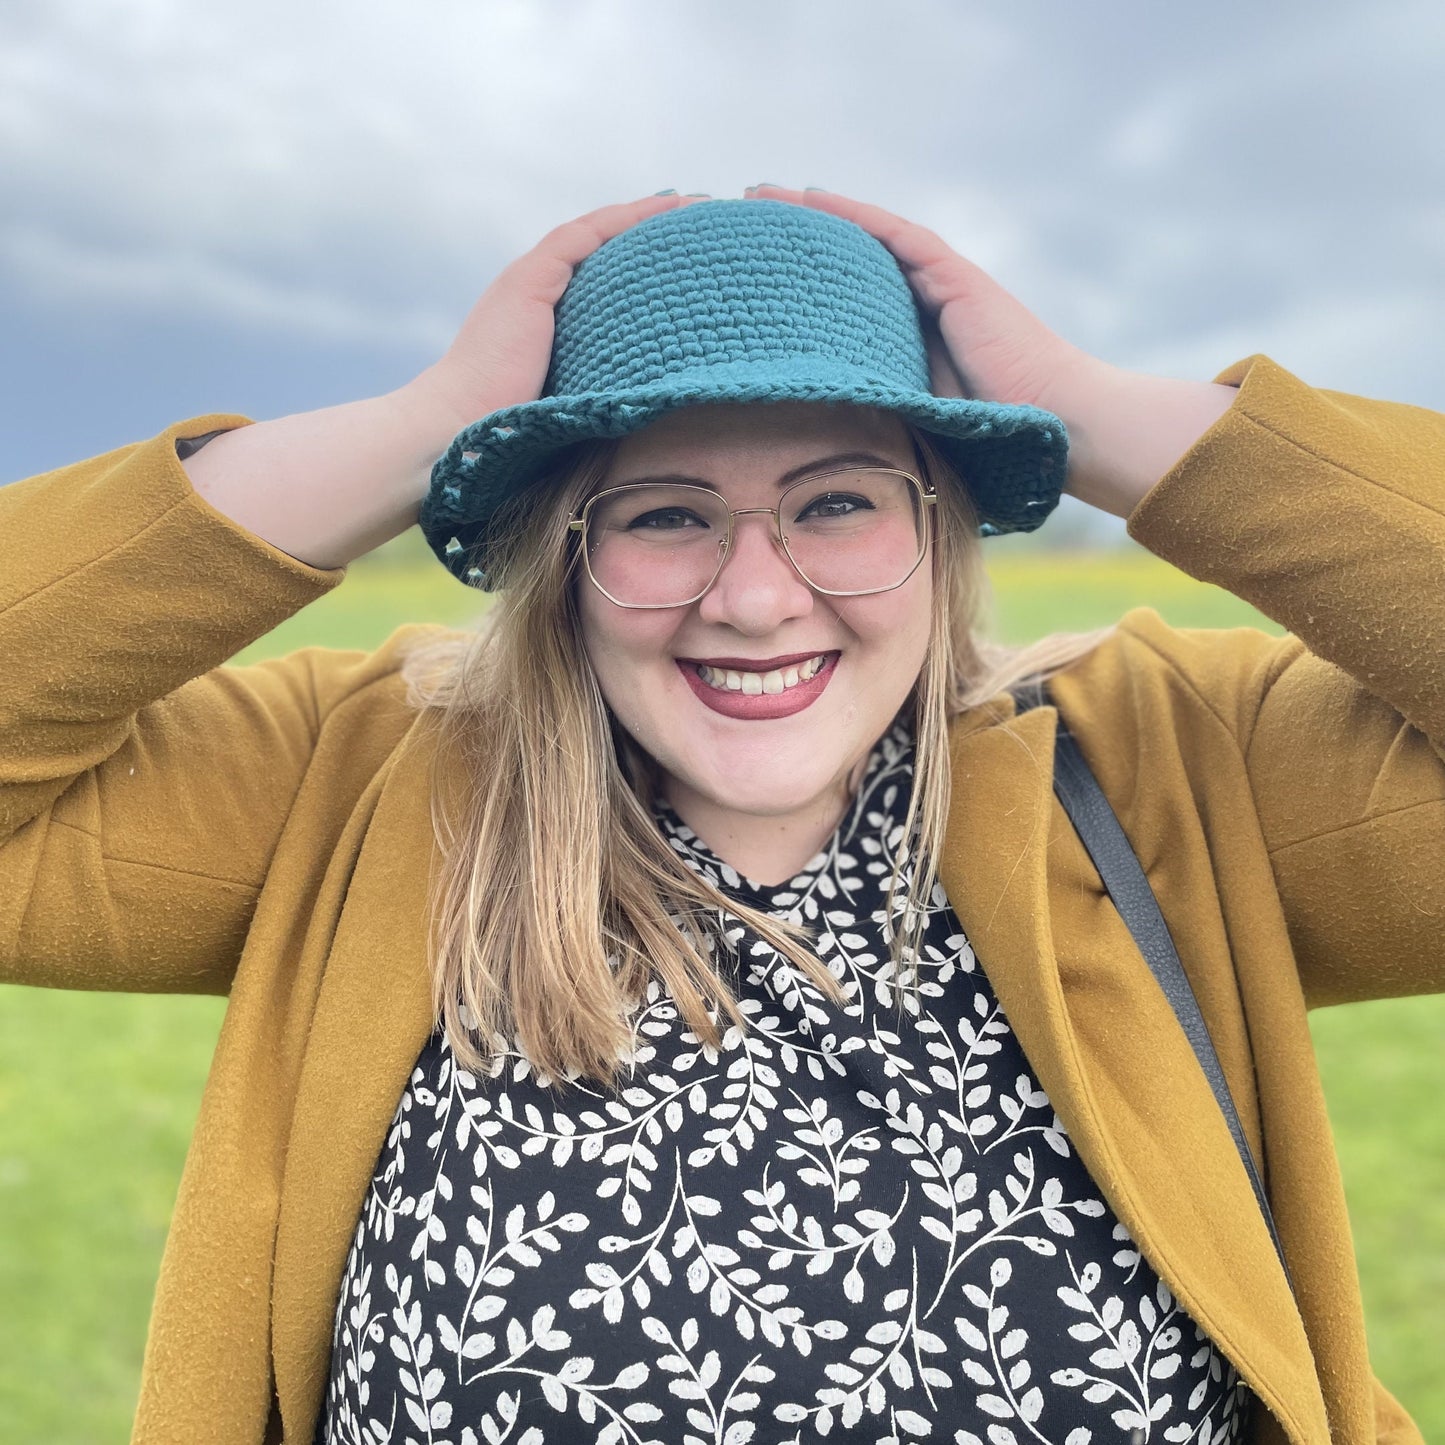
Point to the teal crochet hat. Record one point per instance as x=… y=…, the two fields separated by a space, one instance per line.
x=735 y=301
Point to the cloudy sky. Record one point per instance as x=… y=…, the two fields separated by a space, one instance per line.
x=274 y=205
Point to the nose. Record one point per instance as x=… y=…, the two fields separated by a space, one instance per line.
x=758 y=589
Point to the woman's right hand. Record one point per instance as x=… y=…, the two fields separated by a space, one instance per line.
x=328 y=486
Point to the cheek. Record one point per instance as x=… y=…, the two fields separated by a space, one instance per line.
x=628 y=651
x=893 y=627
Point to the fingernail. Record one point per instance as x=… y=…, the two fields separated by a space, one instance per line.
x=773 y=184
x=824 y=189
x=699 y=196
x=671 y=191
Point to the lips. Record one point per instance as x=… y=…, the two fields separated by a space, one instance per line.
x=762 y=688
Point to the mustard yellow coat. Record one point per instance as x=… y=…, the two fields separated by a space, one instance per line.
x=170 y=824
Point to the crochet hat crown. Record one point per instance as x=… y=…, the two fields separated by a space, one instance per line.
x=735 y=301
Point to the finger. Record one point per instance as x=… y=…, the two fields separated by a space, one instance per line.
x=542 y=273
x=575 y=240
x=914 y=245
x=937 y=272
x=769 y=192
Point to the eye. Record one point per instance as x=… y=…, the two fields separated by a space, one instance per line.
x=666 y=519
x=829 y=505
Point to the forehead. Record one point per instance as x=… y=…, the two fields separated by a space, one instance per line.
x=758 y=438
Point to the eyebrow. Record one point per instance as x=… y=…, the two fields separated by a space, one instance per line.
x=794 y=474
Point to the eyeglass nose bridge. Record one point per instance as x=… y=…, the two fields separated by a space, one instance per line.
x=725 y=548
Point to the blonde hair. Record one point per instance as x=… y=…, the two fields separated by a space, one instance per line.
x=557 y=898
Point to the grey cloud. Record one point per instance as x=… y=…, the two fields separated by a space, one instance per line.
x=1171 y=186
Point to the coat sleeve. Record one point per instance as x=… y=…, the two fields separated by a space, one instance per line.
x=143 y=786
x=1327 y=513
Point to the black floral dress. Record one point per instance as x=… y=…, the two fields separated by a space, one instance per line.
x=862 y=1222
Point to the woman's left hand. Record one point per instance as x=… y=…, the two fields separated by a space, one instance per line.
x=1125 y=429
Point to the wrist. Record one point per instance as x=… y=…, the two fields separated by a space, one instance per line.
x=431 y=409
x=1127 y=429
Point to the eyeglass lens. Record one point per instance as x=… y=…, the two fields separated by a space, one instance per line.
x=659 y=544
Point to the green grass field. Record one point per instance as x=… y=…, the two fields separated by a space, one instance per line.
x=98 y=1092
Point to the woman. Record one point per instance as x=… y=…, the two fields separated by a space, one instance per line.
x=602 y=1059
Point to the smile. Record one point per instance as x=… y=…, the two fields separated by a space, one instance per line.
x=754 y=684
x=773 y=688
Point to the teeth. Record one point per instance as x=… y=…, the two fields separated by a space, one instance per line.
x=753 y=684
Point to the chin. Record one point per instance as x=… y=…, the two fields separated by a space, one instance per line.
x=769 y=786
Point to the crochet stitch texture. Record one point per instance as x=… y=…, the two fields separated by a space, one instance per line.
x=734 y=301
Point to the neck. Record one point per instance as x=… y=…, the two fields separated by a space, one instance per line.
x=767 y=848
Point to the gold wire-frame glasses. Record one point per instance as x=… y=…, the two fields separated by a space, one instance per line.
x=611 y=500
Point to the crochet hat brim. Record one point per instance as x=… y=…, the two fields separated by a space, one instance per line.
x=1012 y=458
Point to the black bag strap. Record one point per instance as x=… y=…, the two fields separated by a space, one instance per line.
x=1124 y=879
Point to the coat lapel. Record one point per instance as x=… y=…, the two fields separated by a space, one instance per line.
x=1107 y=1049
x=372 y=1018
